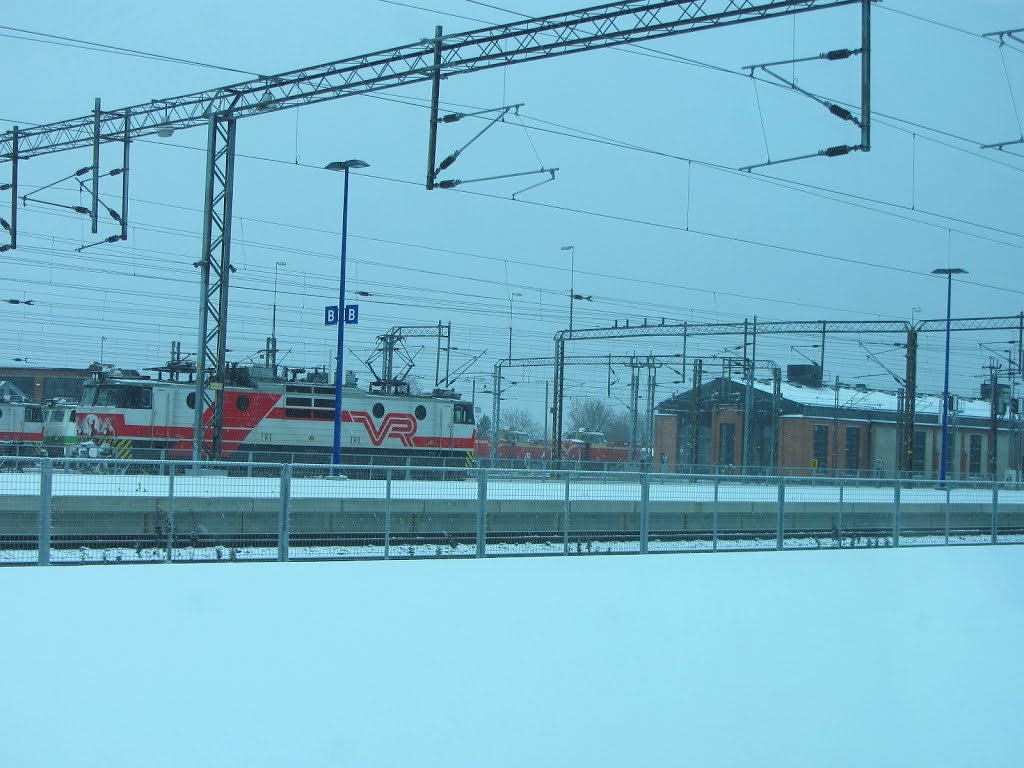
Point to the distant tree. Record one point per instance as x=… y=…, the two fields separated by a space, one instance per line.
x=590 y=414
x=519 y=420
x=617 y=430
x=483 y=427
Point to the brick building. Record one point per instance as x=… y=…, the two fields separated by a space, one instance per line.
x=42 y=384
x=801 y=427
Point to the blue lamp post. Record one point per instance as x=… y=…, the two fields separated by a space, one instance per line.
x=945 y=387
x=339 y=372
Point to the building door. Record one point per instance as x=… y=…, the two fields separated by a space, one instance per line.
x=974 y=456
x=820 y=447
x=727 y=444
x=852 y=449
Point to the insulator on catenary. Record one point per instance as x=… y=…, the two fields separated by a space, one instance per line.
x=840 y=112
x=839 y=53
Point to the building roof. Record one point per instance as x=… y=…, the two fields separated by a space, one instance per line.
x=860 y=398
x=851 y=399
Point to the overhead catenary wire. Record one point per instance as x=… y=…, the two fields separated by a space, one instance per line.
x=781 y=182
x=713 y=235
x=910 y=219
x=638 y=49
x=72 y=42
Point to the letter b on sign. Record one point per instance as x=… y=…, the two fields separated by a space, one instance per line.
x=330 y=315
x=351 y=314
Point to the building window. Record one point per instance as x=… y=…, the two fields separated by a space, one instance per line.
x=917 y=465
x=853 y=448
x=67 y=388
x=974 y=456
x=727 y=444
x=820 y=448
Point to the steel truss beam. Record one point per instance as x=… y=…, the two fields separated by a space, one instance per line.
x=558 y=34
x=215 y=270
x=734 y=329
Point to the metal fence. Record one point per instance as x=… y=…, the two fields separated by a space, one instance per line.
x=56 y=511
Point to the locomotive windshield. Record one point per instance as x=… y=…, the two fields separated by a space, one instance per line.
x=119 y=396
x=463 y=413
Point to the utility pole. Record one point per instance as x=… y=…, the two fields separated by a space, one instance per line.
x=547 y=412
x=835 y=434
x=993 y=439
x=748 y=402
x=695 y=410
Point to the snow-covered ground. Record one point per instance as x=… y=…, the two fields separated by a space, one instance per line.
x=531 y=487
x=852 y=658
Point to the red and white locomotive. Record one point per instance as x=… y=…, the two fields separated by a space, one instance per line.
x=269 y=418
x=21 y=422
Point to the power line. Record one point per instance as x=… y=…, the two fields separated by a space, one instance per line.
x=589 y=213
x=72 y=42
x=666 y=56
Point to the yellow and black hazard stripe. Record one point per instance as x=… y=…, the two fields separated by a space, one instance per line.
x=469 y=459
x=122 y=448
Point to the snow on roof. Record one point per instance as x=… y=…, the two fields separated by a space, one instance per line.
x=869 y=399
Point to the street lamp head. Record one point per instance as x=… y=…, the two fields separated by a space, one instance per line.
x=949 y=271
x=164 y=129
x=346 y=165
x=280 y=263
x=568 y=248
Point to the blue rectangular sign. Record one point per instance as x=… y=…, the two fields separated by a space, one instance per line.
x=330 y=315
x=351 y=314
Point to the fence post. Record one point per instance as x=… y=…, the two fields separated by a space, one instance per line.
x=840 y=521
x=481 y=513
x=714 y=518
x=946 y=523
x=283 y=522
x=170 y=513
x=387 y=515
x=896 y=512
x=645 y=511
x=781 y=523
x=995 y=510
x=45 y=509
x=565 y=519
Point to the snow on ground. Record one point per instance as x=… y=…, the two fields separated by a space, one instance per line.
x=533 y=487
x=849 y=658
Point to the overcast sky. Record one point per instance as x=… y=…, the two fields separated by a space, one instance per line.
x=665 y=229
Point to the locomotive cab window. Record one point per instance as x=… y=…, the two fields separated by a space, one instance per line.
x=124 y=396
x=463 y=413
x=33 y=414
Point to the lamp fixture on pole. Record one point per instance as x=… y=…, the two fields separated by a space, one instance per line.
x=339 y=377
x=948 y=272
